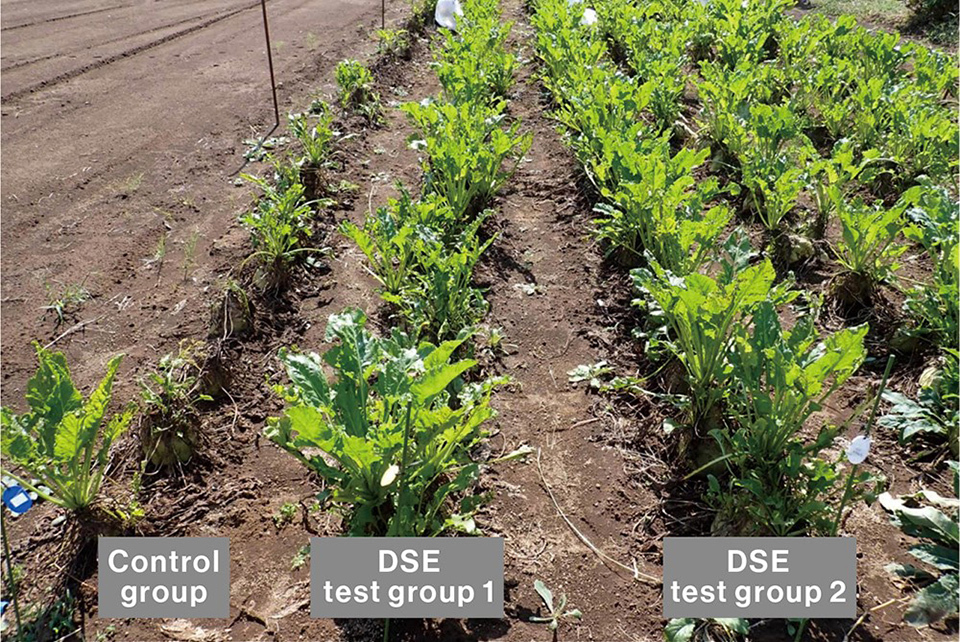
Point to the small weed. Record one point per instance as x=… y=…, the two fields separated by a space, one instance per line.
x=556 y=611
x=300 y=558
x=285 y=515
x=189 y=253
x=67 y=301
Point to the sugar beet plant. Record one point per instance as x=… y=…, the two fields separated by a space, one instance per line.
x=62 y=443
x=468 y=156
x=357 y=94
x=424 y=258
x=397 y=420
x=279 y=228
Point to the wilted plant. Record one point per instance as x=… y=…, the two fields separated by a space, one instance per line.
x=356 y=90
x=169 y=431
x=719 y=629
x=63 y=440
x=934 y=520
x=936 y=411
x=394 y=43
x=389 y=419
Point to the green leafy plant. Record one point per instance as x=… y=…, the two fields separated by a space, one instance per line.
x=356 y=90
x=868 y=251
x=279 y=227
x=719 y=629
x=779 y=484
x=475 y=63
x=316 y=138
x=662 y=211
x=935 y=224
x=440 y=302
x=703 y=314
x=468 y=156
x=389 y=238
x=62 y=440
x=933 y=520
x=394 y=43
x=169 y=430
x=389 y=418
x=555 y=612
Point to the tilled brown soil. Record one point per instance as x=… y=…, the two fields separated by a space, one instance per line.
x=123 y=125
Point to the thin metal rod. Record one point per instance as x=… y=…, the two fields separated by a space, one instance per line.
x=273 y=82
x=383 y=14
x=13 y=586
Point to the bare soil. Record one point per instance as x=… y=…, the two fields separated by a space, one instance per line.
x=123 y=124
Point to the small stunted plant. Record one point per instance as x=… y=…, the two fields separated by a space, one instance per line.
x=66 y=301
x=934 y=521
x=868 y=251
x=356 y=90
x=64 y=440
x=555 y=612
x=394 y=43
x=390 y=432
x=169 y=432
x=316 y=139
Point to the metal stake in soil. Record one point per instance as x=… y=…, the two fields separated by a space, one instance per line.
x=273 y=82
x=13 y=586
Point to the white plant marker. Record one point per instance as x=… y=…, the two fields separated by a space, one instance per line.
x=389 y=475
x=858 y=449
x=447 y=12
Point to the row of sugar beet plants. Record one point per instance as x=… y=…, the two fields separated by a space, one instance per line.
x=714 y=303
x=60 y=447
x=399 y=416
x=763 y=107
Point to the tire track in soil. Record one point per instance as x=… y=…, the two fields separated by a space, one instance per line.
x=73 y=73
x=62 y=54
x=545 y=229
x=66 y=17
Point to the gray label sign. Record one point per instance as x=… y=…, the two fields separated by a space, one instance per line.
x=762 y=577
x=408 y=577
x=181 y=577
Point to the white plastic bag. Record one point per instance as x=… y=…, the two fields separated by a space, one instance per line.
x=447 y=12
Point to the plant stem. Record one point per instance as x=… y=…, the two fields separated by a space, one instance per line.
x=13 y=586
x=866 y=431
x=403 y=464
